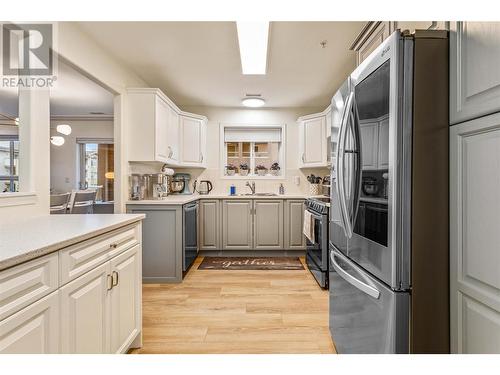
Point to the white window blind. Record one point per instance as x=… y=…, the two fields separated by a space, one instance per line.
x=252 y=135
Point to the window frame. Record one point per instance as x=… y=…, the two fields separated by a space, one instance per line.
x=81 y=142
x=11 y=177
x=223 y=152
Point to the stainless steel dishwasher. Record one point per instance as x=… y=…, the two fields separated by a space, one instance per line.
x=190 y=234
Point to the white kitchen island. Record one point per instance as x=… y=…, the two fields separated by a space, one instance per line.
x=71 y=284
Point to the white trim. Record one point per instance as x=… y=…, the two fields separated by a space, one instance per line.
x=223 y=156
x=17 y=199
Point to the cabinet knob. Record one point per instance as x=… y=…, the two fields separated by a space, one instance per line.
x=113 y=246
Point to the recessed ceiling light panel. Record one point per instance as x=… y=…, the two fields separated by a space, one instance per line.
x=253 y=102
x=252 y=39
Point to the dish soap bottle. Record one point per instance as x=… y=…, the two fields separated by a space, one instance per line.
x=232 y=190
x=282 y=190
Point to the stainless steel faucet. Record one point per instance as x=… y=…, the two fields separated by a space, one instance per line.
x=251 y=186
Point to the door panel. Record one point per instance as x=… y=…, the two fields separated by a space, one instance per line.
x=33 y=330
x=237 y=221
x=85 y=313
x=474 y=235
x=268 y=224
x=191 y=140
x=314 y=141
x=162 y=119
x=294 y=216
x=210 y=225
x=474 y=73
x=125 y=322
x=365 y=315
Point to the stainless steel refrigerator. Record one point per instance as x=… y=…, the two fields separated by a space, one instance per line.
x=389 y=200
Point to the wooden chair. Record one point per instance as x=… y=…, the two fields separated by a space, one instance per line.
x=83 y=202
x=59 y=203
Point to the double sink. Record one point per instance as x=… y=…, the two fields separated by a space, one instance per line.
x=258 y=195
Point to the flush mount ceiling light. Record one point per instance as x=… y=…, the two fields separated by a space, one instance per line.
x=57 y=140
x=63 y=129
x=253 y=101
x=252 y=39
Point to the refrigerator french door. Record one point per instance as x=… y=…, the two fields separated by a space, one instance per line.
x=369 y=294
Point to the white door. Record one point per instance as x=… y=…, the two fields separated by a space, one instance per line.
x=33 y=330
x=474 y=70
x=85 y=312
x=162 y=118
x=173 y=136
x=125 y=320
x=369 y=144
x=191 y=140
x=475 y=236
x=313 y=139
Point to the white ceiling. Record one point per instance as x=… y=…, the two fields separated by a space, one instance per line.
x=198 y=63
x=73 y=95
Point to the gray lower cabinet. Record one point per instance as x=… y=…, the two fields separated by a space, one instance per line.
x=474 y=70
x=237 y=224
x=268 y=224
x=161 y=242
x=210 y=225
x=294 y=219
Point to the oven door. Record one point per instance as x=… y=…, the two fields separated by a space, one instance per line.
x=317 y=251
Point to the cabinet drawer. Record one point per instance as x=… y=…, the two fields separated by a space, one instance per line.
x=27 y=283
x=85 y=256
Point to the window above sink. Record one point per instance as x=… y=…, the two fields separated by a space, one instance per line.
x=252 y=151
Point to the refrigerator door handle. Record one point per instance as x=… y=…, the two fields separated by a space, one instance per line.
x=340 y=167
x=368 y=289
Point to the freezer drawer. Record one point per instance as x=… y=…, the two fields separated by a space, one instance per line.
x=365 y=315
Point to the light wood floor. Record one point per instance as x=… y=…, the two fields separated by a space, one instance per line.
x=236 y=312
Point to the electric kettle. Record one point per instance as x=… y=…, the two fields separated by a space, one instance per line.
x=204 y=188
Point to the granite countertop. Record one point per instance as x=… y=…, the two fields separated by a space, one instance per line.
x=178 y=199
x=26 y=239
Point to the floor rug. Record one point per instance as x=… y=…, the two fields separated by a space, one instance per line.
x=251 y=263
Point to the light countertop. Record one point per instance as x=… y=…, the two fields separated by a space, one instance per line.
x=26 y=239
x=177 y=199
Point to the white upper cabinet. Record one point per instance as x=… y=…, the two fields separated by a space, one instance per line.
x=313 y=151
x=160 y=131
x=173 y=141
x=193 y=140
x=474 y=70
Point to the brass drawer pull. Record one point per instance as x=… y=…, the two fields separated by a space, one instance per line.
x=115 y=283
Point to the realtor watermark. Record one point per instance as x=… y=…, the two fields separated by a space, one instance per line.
x=28 y=59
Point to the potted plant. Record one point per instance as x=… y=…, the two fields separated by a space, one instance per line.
x=231 y=169
x=244 y=169
x=275 y=169
x=261 y=170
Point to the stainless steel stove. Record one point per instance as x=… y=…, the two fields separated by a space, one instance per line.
x=317 y=252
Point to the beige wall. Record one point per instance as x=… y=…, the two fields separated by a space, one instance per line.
x=84 y=53
x=287 y=116
x=63 y=159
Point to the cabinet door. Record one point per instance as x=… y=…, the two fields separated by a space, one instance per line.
x=191 y=141
x=33 y=330
x=474 y=70
x=237 y=224
x=375 y=39
x=268 y=224
x=125 y=299
x=313 y=139
x=173 y=136
x=383 y=144
x=294 y=221
x=162 y=118
x=474 y=236
x=369 y=144
x=85 y=312
x=209 y=225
